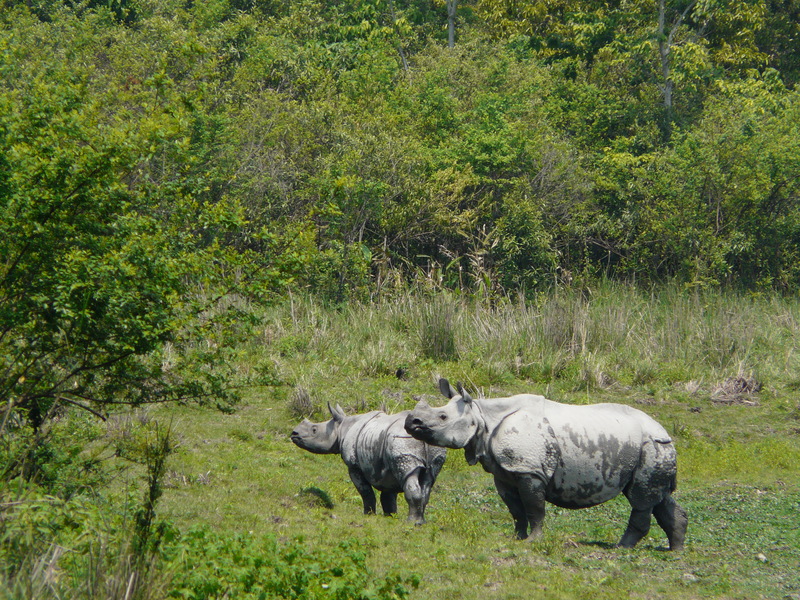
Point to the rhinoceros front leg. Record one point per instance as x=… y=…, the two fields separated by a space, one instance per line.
x=417 y=492
x=512 y=499
x=532 y=493
x=364 y=488
x=389 y=502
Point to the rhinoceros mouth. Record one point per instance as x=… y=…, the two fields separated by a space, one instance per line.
x=420 y=432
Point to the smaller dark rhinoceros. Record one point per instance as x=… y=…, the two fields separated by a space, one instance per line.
x=571 y=456
x=378 y=453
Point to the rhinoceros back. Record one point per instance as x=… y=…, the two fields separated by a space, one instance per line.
x=586 y=454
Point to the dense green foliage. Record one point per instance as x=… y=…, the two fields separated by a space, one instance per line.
x=541 y=145
x=170 y=169
x=211 y=565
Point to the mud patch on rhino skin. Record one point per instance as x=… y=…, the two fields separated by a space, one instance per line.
x=585 y=494
x=608 y=454
x=508 y=453
x=603 y=444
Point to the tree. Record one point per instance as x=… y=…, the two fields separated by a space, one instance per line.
x=113 y=255
x=452 y=11
x=666 y=39
x=695 y=28
x=672 y=44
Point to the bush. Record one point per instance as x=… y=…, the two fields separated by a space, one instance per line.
x=240 y=566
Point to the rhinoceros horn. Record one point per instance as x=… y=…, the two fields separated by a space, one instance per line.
x=422 y=404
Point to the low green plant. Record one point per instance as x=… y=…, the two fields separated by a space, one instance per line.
x=243 y=566
x=75 y=539
x=80 y=548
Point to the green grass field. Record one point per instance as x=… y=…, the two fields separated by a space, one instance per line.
x=241 y=473
x=246 y=514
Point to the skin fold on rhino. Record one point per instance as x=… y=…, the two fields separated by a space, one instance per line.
x=379 y=454
x=571 y=456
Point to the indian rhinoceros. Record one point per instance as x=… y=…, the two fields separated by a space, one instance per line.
x=571 y=456
x=378 y=453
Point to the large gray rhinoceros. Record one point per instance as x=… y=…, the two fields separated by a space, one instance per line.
x=378 y=453
x=572 y=456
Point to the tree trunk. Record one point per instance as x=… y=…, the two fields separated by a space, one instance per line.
x=665 y=43
x=664 y=47
x=399 y=44
x=451 y=23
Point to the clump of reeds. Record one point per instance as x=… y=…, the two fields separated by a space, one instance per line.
x=436 y=329
x=300 y=404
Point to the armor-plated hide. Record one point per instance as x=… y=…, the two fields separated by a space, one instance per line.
x=571 y=456
x=379 y=454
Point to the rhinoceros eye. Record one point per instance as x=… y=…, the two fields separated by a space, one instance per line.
x=443 y=417
x=313 y=430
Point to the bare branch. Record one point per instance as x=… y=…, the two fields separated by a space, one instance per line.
x=83 y=406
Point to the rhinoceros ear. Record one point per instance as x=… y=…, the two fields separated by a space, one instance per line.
x=464 y=394
x=447 y=390
x=337 y=413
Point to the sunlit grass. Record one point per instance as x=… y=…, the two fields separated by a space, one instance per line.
x=666 y=353
x=757 y=460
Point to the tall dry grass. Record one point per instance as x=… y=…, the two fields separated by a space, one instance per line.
x=612 y=335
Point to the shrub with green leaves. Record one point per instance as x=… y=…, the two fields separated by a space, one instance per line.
x=118 y=283
x=245 y=567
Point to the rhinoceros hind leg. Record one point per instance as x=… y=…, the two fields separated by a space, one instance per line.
x=638 y=526
x=365 y=489
x=389 y=502
x=671 y=517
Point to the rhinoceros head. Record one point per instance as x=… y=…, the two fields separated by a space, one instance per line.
x=320 y=438
x=452 y=425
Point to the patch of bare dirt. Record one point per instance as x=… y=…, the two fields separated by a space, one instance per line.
x=506 y=561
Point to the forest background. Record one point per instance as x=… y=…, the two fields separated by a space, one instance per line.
x=171 y=173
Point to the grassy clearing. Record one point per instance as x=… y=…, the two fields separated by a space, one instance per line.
x=240 y=473
x=249 y=511
x=670 y=354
